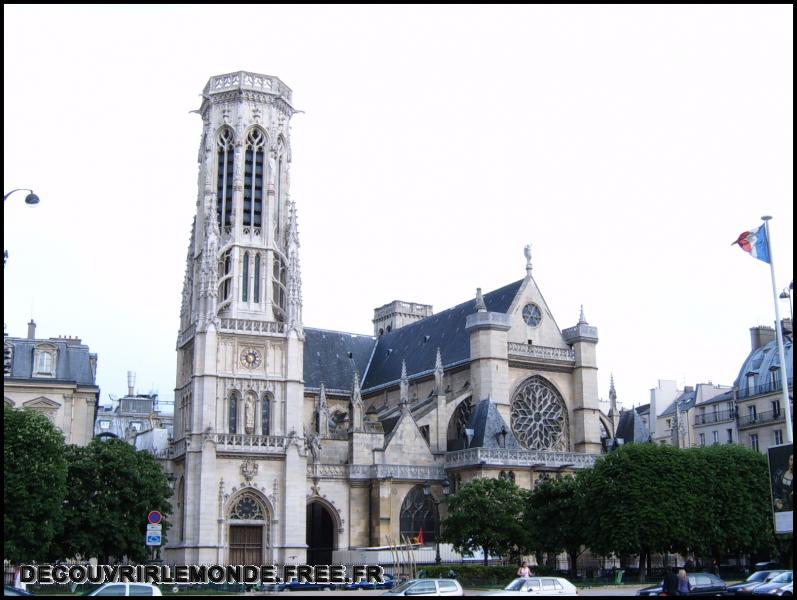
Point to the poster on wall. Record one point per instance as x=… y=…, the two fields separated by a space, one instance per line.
x=781 y=477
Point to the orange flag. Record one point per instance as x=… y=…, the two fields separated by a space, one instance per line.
x=420 y=535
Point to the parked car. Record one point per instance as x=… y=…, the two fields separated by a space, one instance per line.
x=126 y=589
x=767 y=565
x=786 y=590
x=305 y=586
x=12 y=591
x=427 y=587
x=771 y=587
x=752 y=582
x=387 y=583
x=703 y=584
x=537 y=586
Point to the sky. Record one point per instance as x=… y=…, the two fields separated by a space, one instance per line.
x=629 y=145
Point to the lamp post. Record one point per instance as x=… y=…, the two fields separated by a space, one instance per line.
x=31 y=198
x=786 y=293
x=427 y=491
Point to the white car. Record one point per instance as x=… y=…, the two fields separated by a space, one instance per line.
x=127 y=589
x=537 y=586
x=427 y=587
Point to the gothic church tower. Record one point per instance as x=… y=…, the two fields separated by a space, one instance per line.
x=238 y=452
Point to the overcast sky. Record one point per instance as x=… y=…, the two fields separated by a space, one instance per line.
x=629 y=145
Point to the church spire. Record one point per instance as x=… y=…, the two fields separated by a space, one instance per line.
x=294 y=272
x=438 y=373
x=404 y=398
x=612 y=396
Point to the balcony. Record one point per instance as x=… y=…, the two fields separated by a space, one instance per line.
x=760 y=390
x=234 y=443
x=715 y=417
x=504 y=457
x=533 y=351
x=762 y=418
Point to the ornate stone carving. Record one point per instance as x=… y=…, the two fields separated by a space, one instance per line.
x=249 y=469
x=539 y=417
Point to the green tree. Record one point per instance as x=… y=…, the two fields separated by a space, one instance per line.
x=735 y=515
x=487 y=514
x=640 y=499
x=112 y=489
x=555 y=520
x=34 y=486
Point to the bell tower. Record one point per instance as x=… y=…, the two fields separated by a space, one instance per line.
x=239 y=386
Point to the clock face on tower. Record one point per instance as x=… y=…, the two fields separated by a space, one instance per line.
x=532 y=314
x=250 y=358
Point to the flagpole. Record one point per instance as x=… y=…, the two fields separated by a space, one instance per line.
x=779 y=333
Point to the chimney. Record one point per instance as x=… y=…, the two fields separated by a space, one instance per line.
x=131 y=383
x=761 y=336
x=32 y=330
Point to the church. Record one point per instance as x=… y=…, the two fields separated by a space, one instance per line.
x=292 y=442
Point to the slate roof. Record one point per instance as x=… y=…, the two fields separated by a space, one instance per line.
x=327 y=361
x=486 y=422
x=686 y=401
x=631 y=427
x=417 y=342
x=72 y=361
x=761 y=360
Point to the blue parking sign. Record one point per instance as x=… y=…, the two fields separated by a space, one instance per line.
x=153 y=539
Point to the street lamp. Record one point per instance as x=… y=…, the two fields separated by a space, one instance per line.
x=427 y=491
x=31 y=198
x=786 y=293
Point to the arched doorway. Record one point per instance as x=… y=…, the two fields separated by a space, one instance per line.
x=320 y=534
x=249 y=523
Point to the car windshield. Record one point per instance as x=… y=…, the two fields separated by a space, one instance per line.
x=515 y=586
x=403 y=586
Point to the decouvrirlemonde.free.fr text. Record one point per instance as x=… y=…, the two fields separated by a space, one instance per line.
x=199 y=574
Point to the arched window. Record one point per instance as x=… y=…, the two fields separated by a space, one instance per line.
x=225 y=266
x=257 y=278
x=418 y=512
x=539 y=417
x=279 y=285
x=254 y=178
x=245 y=282
x=224 y=178
x=232 y=413
x=265 y=414
x=280 y=166
x=456 y=426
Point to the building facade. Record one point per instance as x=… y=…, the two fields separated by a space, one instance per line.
x=56 y=377
x=292 y=442
x=132 y=414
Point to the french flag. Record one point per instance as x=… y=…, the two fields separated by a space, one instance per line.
x=755 y=242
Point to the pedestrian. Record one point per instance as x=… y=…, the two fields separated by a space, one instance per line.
x=524 y=570
x=715 y=567
x=18 y=579
x=684 y=587
x=670 y=586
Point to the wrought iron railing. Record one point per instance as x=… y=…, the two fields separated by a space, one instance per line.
x=764 y=388
x=714 y=417
x=762 y=418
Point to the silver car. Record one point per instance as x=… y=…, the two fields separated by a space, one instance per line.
x=427 y=587
x=537 y=586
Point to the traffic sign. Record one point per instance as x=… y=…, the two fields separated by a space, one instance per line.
x=154 y=517
x=153 y=539
x=154 y=528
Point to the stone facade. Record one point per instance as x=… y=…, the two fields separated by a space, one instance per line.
x=292 y=442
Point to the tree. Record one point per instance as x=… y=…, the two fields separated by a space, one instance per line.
x=735 y=515
x=486 y=514
x=112 y=489
x=554 y=518
x=34 y=486
x=640 y=499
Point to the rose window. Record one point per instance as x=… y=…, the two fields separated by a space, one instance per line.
x=247 y=508
x=539 y=417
